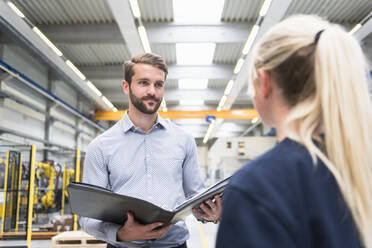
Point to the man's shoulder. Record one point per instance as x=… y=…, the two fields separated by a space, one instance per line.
x=175 y=129
x=107 y=137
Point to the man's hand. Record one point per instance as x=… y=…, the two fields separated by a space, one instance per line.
x=212 y=210
x=132 y=230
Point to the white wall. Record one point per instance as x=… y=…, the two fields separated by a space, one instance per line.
x=202 y=159
x=224 y=161
x=24 y=62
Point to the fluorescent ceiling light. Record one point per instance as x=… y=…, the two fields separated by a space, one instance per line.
x=15 y=9
x=252 y=35
x=265 y=8
x=92 y=87
x=355 y=28
x=188 y=102
x=254 y=120
x=165 y=109
x=108 y=103
x=197 y=11
x=195 y=53
x=114 y=109
x=219 y=108
x=209 y=131
x=238 y=66
x=192 y=84
x=228 y=88
x=76 y=70
x=144 y=39
x=222 y=101
x=46 y=40
x=135 y=8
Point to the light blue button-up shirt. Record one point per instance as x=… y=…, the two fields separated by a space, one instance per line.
x=159 y=166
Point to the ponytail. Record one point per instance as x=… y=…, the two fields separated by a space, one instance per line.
x=341 y=82
x=325 y=83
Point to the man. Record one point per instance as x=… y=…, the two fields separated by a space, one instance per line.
x=146 y=157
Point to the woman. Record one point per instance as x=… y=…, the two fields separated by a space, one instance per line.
x=314 y=189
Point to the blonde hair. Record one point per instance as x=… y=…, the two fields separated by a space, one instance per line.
x=325 y=84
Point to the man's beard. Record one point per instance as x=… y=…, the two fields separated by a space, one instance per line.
x=141 y=106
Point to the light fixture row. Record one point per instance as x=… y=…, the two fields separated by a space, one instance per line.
x=239 y=64
x=360 y=24
x=143 y=36
x=141 y=28
x=60 y=54
x=250 y=40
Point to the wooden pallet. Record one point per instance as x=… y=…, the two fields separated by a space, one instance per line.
x=76 y=239
x=22 y=235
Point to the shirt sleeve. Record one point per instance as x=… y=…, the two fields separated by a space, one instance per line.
x=95 y=172
x=192 y=179
x=247 y=223
x=95 y=166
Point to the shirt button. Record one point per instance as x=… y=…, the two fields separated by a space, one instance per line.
x=147 y=156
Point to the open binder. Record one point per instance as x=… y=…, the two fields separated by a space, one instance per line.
x=102 y=204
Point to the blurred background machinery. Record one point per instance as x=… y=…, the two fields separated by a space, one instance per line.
x=33 y=195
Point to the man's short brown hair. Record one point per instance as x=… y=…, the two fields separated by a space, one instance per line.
x=145 y=58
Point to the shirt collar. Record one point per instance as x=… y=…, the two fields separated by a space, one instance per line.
x=160 y=121
x=127 y=124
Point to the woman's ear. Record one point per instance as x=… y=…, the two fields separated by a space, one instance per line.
x=265 y=83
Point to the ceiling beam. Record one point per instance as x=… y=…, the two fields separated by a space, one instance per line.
x=24 y=35
x=159 y=33
x=275 y=13
x=84 y=33
x=235 y=114
x=364 y=31
x=165 y=33
x=122 y=13
x=218 y=33
x=174 y=72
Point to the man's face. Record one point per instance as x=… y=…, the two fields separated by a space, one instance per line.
x=146 y=89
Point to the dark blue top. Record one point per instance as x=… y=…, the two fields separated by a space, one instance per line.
x=281 y=199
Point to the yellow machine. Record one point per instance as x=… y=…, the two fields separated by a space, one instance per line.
x=14 y=211
x=31 y=191
x=67 y=174
x=77 y=179
x=24 y=198
x=11 y=189
x=2 y=178
x=48 y=171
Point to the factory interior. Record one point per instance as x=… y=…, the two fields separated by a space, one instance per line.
x=61 y=73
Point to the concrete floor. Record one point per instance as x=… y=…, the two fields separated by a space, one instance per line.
x=201 y=236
